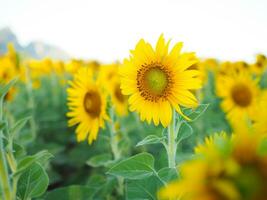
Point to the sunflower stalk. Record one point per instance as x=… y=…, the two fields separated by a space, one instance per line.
x=31 y=103
x=4 y=179
x=115 y=147
x=171 y=146
x=54 y=85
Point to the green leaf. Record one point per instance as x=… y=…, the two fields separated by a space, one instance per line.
x=71 y=192
x=151 y=139
x=99 y=160
x=33 y=182
x=194 y=114
x=3 y=124
x=136 y=167
x=167 y=174
x=41 y=157
x=145 y=189
x=18 y=150
x=184 y=132
x=19 y=125
x=96 y=181
x=4 y=90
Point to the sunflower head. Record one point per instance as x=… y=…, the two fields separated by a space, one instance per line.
x=87 y=105
x=207 y=182
x=239 y=93
x=259 y=67
x=109 y=78
x=260 y=120
x=158 y=80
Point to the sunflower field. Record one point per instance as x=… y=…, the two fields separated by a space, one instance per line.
x=161 y=124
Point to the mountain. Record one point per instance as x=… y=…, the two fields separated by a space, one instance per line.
x=35 y=49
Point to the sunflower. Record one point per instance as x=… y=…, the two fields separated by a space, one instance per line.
x=87 y=104
x=259 y=67
x=249 y=151
x=260 y=120
x=8 y=71
x=109 y=77
x=157 y=80
x=212 y=179
x=239 y=93
x=231 y=168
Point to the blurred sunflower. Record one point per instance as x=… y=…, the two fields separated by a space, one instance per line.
x=109 y=77
x=87 y=104
x=231 y=68
x=73 y=66
x=8 y=71
x=231 y=168
x=260 y=66
x=239 y=93
x=250 y=152
x=208 y=177
x=260 y=120
x=158 y=80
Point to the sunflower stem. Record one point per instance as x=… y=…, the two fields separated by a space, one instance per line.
x=31 y=103
x=115 y=148
x=4 y=180
x=172 y=145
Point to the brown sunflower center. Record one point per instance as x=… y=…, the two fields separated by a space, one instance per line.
x=118 y=94
x=92 y=103
x=154 y=81
x=242 y=95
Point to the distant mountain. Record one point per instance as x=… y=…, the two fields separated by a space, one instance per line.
x=36 y=50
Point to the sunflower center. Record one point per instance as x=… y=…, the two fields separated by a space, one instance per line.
x=92 y=104
x=154 y=81
x=118 y=94
x=241 y=95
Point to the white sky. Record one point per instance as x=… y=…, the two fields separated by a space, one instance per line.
x=107 y=29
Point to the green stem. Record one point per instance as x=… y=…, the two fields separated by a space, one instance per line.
x=115 y=149
x=4 y=180
x=14 y=185
x=54 y=85
x=172 y=145
x=13 y=166
x=31 y=103
x=11 y=161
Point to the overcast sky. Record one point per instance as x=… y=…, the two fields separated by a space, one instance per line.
x=107 y=29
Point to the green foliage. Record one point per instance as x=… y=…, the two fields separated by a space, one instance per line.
x=136 y=167
x=4 y=90
x=41 y=157
x=185 y=131
x=33 y=182
x=100 y=160
x=145 y=189
x=28 y=178
x=194 y=114
x=151 y=139
x=71 y=193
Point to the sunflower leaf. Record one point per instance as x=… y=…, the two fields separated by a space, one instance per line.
x=168 y=174
x=194 y=114
x=185 y=131
x=136 y=167
x=41 y=157
x=4 y=90
x=33 y=182
x=72 y=192
x=145 y=189
x=151 y=139
x=19 y=125
x=99 y=160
